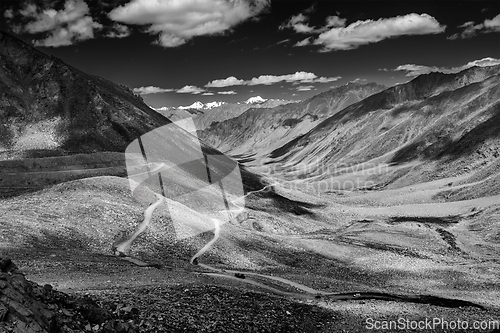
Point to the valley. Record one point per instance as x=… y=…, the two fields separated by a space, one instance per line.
x=363 y=202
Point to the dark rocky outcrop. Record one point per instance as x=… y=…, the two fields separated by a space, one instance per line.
x=46 y=104
x=26 y=307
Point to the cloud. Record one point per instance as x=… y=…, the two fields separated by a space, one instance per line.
x=65 y=26
x=335 y=21
x=178 y=21
x=296 y=78
x=415 y=70
x=493 y=24
x=284 y=41
x=271 y=79
x=230 y=92
x=190 y=90
x=118 y=31
x=370 y=31
x=230 y=81
x=8 y=14
x=322 y=79
x=356 y=80
x=208 y=94
x=150 y=90
x=303 y=42
x=298 y=23
x=471 y=29
x=305 y=88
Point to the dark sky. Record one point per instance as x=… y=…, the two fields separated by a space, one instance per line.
x=167 y=45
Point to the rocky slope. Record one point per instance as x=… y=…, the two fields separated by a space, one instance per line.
x=46 y=104
x=263 y=130
x=438 y=125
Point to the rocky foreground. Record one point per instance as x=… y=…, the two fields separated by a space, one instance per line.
x=27 y=307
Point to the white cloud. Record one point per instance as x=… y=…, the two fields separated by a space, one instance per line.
x=356 y=80
x=322 y=79
x=296 y=78
x=150 y=90
x=415 y=70
x=471 y=29
x=190 y=90
x=283 y=41
x=493 y=24
x=8 y=14
x=305 y=88
x=208 y=94
x=335 y=21
x=177 y=21
x=118 y=31
x=335 y=35
x=303 y=42
x=270 y=79
x=230 y=81
x=370 y=31
x=65 y=26
x=298 y=23
x=230 y=92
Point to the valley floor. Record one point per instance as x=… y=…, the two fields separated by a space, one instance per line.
x=405 y=241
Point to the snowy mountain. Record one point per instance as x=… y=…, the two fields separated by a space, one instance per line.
x=255 y=100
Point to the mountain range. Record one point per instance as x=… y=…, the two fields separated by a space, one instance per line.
x=206 y=114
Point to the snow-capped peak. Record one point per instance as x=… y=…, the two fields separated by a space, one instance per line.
x=213 y=104
x=255 y=100
x=196 y=105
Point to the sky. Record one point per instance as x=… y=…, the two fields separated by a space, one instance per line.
x=177 y=52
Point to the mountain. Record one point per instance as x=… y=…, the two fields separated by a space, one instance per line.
x=206 y=114
x=260 y=131
x=255 y=100
x=232 y=110
x=47 y=105
x=435 y=126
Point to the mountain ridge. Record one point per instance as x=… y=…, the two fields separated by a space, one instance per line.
x=50 y=105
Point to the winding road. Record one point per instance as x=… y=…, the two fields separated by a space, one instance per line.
x=306 y=293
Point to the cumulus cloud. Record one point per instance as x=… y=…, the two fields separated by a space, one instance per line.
x=335 y=35
x=150 y=90
x=230 y=92
x=415 y=70
x=9 y=13
x=177 y=21
x=190 y=90
x=65 y=26
x=118 y=31
x=305 y=88
x=370 y=31
x=230 y=81
x=303 y=42
x=208 y=94
x=295 y=78
x=335 y=21
x=298 y=23
x=471 y=29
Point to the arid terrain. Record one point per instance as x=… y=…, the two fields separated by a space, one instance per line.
x=362 y=203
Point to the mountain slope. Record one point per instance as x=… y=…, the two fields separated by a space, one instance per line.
x=261 y=131
x=46 y=104
x=436 y=126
